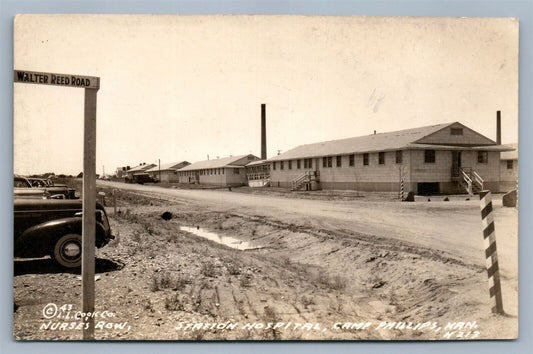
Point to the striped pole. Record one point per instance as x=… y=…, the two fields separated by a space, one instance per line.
x=401 y=189
x=489 y=236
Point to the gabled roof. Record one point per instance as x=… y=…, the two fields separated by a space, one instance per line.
x=141 y=168
x=168 y=166
x=510 y=155
x=257 y=162
x=396 y=140
x=381 y=141
x=218 y=163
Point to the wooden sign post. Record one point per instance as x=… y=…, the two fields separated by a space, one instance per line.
x=91 y=86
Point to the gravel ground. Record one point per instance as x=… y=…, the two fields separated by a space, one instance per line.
x=318 y=266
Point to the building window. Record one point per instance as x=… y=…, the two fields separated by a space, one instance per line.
x=298 y=164
x=365 y=159
x=310 y=165
x=305 y=163
x=324 y=162
x=399 y=156
x=236 y=171
x=330 y=161
x=281 y=165
x=456 y=131
x=290 y=164
x=381 y=158
x=339 y=161
x=482 y=157
x=352 y=160
x=222 y=170
x=509 y=164
x=274 y=165
x=429 y=156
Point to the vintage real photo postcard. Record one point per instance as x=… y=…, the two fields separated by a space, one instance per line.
x=265 y=178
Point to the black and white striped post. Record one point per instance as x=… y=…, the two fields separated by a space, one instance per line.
x=489 y=237
x=400 y=178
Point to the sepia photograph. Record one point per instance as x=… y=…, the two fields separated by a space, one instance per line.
x=265 y=178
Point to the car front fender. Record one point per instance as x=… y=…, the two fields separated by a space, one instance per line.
x=39 y=240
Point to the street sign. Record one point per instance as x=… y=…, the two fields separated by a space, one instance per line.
x=91 y=86
x=34 y=77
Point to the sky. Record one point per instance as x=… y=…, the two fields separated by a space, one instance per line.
x=176 y=88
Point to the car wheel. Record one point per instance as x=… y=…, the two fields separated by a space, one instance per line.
x=67 y=251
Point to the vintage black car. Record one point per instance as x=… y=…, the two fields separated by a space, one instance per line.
x=53 y=227
x=140 y=178
x=52 y=187
x=24 y=187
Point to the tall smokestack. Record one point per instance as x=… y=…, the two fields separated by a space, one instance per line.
x=498 y=128
x=263 y=132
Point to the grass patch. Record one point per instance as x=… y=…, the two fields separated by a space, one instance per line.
x=173 y=303
x=166 y=280
x=209 y=270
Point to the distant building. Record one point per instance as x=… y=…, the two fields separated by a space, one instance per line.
x=509 y=168
x=444 y=158
x=121 y=171
x=258 y=173
x=169 y=171
x=140 y=169
x=227 y=171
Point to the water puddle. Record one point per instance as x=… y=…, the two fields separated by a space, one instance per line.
x=224 y=240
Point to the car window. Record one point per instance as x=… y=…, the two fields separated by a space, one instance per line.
x=21 y=183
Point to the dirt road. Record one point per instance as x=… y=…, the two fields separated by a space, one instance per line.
x=451 y=227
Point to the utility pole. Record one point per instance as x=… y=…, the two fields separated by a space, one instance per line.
x=159 y=161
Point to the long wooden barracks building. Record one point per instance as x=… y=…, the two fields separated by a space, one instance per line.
x=227 y=171
x=444 y=158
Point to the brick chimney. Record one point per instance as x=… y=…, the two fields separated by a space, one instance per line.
x=498 y=128
x=263 y=132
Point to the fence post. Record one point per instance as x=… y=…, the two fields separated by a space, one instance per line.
x=101 y=197
x=491 y=256
x=114 y=202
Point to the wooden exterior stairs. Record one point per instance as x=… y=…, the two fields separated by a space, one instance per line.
x=470 y=180
x=304 y=180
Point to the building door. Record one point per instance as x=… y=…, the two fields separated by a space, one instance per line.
x=456 y=163
x=197 y=177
